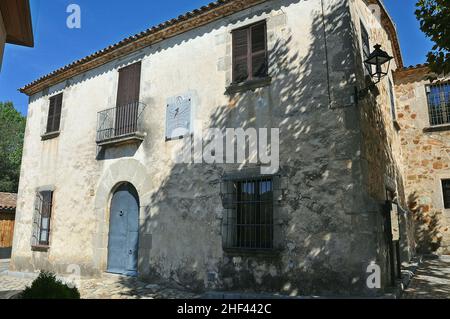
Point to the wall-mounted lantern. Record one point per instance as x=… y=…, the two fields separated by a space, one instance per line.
x=381 y=60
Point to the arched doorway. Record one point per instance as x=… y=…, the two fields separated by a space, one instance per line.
x=124 y=231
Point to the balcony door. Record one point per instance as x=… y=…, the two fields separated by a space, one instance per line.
x=128 y=99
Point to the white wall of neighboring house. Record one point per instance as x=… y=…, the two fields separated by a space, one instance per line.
x=2 y=39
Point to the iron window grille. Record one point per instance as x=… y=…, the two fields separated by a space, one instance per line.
x=120 y=121
x=42 y=219
x=249 y=220
x=446 y=193
x=438 y=96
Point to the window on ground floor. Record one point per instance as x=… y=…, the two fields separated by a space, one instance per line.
x=446 y=193
x=42 y=218
x=438 y=96
x=249 y=223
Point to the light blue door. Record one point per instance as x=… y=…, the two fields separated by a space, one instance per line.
x=124 y=232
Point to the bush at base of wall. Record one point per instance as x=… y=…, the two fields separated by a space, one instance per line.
x=46 y=286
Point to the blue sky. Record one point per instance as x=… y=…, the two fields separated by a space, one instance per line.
x=105 y=22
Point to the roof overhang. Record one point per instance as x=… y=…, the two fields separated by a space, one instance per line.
x=16 y=16
x=389 y=25
x=189 y=21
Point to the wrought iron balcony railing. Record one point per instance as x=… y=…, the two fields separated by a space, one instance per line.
x=120 y=123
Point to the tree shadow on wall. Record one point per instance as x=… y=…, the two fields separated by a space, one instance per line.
x=185 y=214
x=427 y=226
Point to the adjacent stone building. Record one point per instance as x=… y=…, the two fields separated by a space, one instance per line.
x=423 y=106
x=100 y=188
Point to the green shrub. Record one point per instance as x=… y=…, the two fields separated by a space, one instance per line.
x=46 y=286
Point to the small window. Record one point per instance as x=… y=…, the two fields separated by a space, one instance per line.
x=446 y=193
x=42 y=218
x=365 y=47
x=54 y=114
x=249 y=221
x=392 y=100
x=438 y=96
x=250 y=53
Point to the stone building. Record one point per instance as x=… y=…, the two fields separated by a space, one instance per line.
x=100 y=188
x=423 y=106
x=15 y=24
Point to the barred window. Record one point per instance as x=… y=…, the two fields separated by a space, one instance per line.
x=446 y=193
x=42 y=217
x=249 y=222
x=438 y=96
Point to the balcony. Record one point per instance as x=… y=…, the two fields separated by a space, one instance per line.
x=121 y=125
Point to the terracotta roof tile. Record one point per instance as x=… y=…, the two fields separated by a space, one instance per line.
x=192 y=19
x=8 y=201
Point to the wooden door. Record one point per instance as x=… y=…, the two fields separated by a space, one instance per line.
x=6 y=229
x=124 y=232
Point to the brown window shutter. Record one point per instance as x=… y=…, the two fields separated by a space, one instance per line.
x=129 y=85
x=250 y=53
x=54 y=113
x=240 y=55
x=259 y=51
x=51 y=114
x=57 y=116
x=128 y=99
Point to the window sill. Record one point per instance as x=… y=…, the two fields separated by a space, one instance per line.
x=248 y=85
x=437 y=128
x=49 y=136
x=261 y=253
x=40 y=248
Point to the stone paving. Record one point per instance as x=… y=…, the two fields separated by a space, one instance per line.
x=107 y=287
x=432 y=280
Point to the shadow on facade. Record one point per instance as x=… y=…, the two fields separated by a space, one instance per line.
x=427 y=227
x=322 y=230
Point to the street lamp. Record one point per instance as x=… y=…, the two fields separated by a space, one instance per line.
x=379 y=59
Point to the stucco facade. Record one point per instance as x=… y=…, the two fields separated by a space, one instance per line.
x=338 y=154
x=426 y=158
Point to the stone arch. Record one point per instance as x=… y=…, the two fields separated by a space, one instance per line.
x=128 y=171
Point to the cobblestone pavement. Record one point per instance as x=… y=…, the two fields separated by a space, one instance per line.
x=108 y=287
x=432 y=280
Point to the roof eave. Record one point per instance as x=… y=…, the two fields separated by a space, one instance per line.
x=22 y=22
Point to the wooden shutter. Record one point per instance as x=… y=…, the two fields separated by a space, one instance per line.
x=128 y=99
x=250 y=53
x=46 y=213
x=259 y=51
x=129 y=85
x=54 y=113
x=240 y=55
